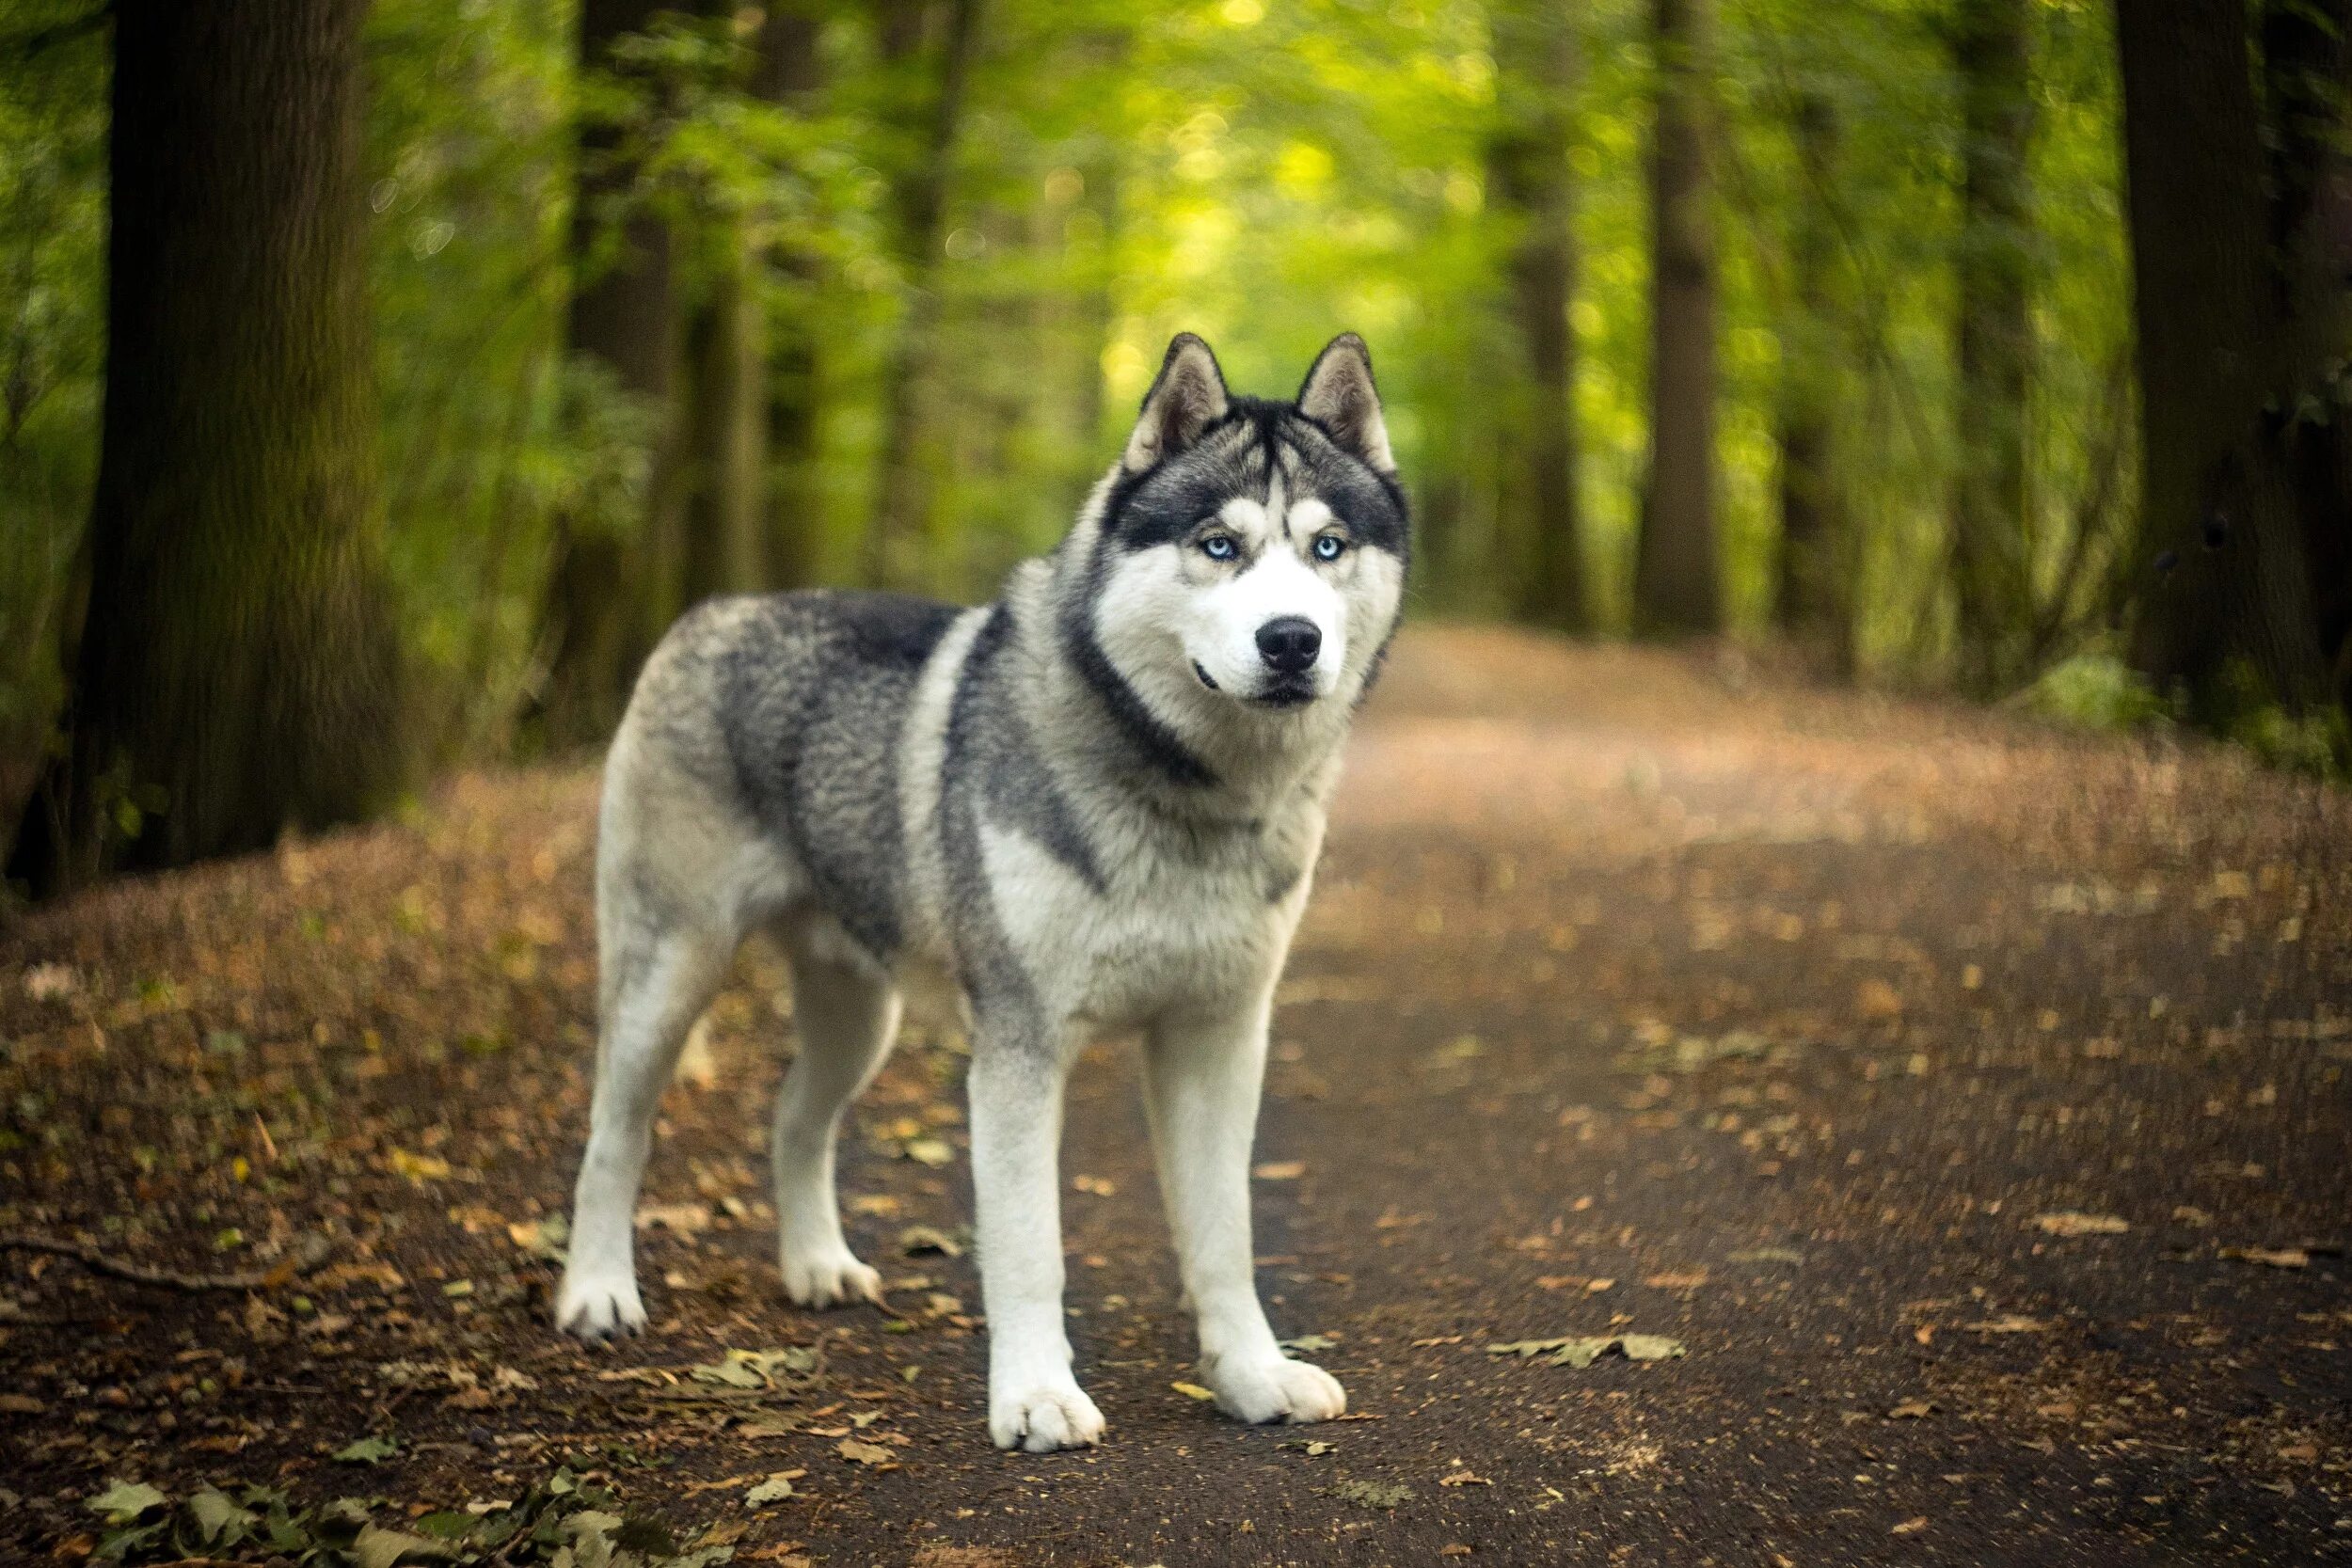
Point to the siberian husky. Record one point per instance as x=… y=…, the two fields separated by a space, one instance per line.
x=1093 y=807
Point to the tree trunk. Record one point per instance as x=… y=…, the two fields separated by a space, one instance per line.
x=2227 y=355
x=1992 y=547
x=1529 y=161
x=609 y=587
x=1677 y=575
x=239 y=667
x=1810 y=599
x=726 y=428
x=785 y=71
x=901 y=519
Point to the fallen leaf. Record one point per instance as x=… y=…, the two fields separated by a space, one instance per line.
x=2072 y=1222
x=418 y=1168
x=1192 y=1390
x=124 y=1501
x=1910 y=1527
x=1688 y=1280
x=773 y=1490
x=929 y=1151
x=2276 y=1258
x=2008 y=1322
x=1279 y=1170
x=1310 y=1343
x=916 y=1240
x=368 y=1450
x=1463 y=1478
x=1768 y=1254
x=1913 y=1410
x=1875 y=998
x=858 y=1452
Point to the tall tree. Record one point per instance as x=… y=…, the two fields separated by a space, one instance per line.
x=1677 y=574
x=1810 y=599
x=1992 y=539
x=610 y=585
x=1536 y=47
x=2241 y=230
x=786 y=71
x=939 y=71
x=238 y=669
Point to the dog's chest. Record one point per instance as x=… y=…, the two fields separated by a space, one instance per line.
x=1165 y=929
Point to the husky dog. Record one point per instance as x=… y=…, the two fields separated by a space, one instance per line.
x=1093 y=807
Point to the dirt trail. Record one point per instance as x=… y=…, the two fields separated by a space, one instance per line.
x=1968 y=1102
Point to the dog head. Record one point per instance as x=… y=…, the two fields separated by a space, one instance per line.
x=1252 y=551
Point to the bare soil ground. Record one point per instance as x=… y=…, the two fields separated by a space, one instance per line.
x=1968 y=1101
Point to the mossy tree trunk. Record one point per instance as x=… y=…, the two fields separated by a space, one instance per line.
x=2241 y=312
x=1811 y=598
x=939 y=71
x=785 y=71
x=1677 y=572
x=1992 y=538
x=238 y=671
x=611 y=587
x=1536 y=44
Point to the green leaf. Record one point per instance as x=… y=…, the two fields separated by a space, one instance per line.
x=218 y=1521
x=1372 y=1494
x=1649 y=1347
x=369 y=1450
x=380 y=1548
x=124 y=1501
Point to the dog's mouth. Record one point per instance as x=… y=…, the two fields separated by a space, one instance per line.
x=1281 y=691
x=1286 y=691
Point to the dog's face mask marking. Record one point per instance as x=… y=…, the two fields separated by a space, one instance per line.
x=1254 y=550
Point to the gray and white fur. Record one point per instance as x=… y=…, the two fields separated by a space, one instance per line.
x=1091 y=809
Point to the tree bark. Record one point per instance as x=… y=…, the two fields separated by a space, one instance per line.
x=2229 y=352
x=1811 y=603
x=1529 y=161
x=785 y=71
x=902 y=519
x=727 y=427
x=1677 y=575
x=1992 y=540
x=609 y=587
x=239 y=669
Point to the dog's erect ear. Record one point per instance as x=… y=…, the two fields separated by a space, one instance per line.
x=1186 y=399
x=1339 y=396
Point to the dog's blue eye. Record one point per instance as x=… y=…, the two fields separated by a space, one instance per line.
x=1219 y=546
x=1330 y=547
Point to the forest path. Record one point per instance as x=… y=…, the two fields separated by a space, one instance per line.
x=1968 y=1101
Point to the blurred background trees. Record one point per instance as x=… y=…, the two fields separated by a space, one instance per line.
x=1827 y=326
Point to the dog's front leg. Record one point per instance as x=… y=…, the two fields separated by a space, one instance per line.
x=1201 y=1083
x=1034 y=1401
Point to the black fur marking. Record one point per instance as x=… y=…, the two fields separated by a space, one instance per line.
x=989 y=740
x=806 y=749
x=1152 y=740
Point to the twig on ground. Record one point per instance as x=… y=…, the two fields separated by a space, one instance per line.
x=170 y=1280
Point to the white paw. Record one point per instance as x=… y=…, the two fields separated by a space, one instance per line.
x=598 y=1305
x=1276 y=1389
x=833 y=1277
x=1043 y=1416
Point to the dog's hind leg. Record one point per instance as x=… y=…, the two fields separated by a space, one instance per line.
x=847 y=1013
x=660 y=977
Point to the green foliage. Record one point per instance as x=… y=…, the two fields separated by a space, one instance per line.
x=2096 y=692
x=1265 y=175
x=560 y=1520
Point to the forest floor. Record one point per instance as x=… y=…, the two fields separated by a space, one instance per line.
x=1966 y=1100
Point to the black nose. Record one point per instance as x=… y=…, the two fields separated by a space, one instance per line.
x=1289 y=643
